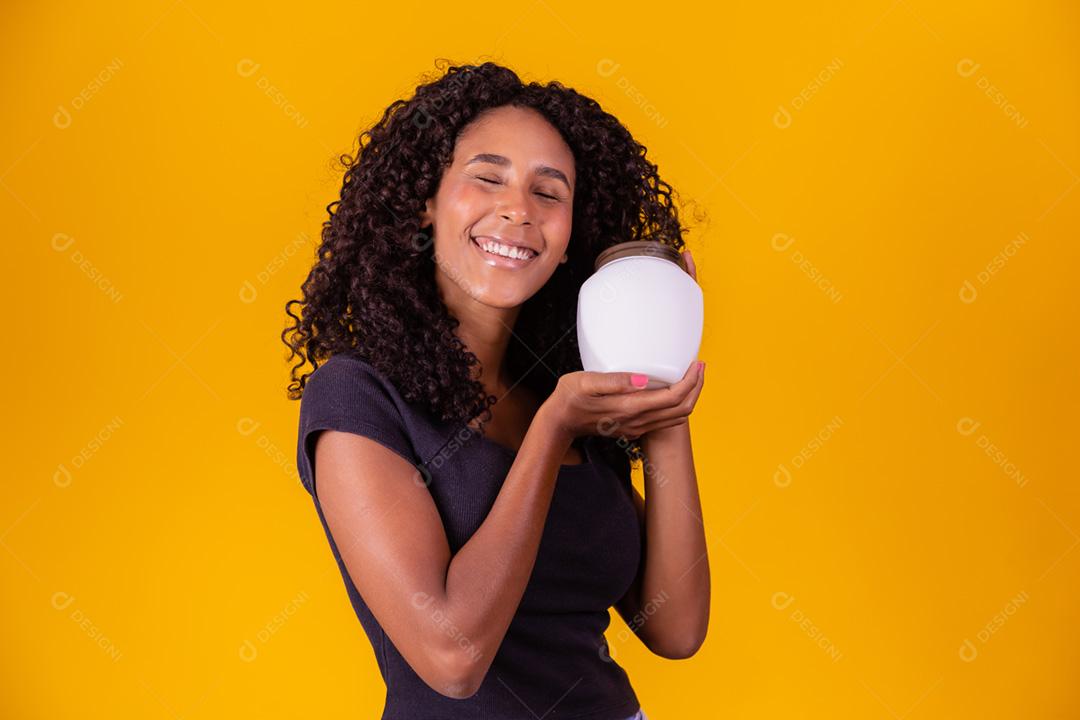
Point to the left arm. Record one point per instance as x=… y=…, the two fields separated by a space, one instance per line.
x=667 y=606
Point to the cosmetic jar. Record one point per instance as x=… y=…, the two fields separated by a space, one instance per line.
x=640 y=312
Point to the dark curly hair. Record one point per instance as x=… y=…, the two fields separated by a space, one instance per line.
x=372 y=293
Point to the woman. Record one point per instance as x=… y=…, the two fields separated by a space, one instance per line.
x=482 y=522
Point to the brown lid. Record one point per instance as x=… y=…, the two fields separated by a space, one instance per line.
x=650 y=248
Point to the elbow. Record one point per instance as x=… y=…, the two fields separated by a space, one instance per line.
x=679 y=649
x=455 y=688
x=682 y=653
x=459 y=672
x=682 y=642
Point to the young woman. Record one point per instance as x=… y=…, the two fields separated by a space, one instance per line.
x=472 y=480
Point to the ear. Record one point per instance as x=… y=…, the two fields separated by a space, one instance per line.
x=427 y=215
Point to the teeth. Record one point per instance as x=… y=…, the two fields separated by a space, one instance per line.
x=505 y=250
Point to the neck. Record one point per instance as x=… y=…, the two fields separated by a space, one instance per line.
x=485 y=332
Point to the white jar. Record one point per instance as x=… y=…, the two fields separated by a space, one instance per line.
x=640 y=312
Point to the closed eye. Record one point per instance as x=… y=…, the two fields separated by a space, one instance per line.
x=496 y=182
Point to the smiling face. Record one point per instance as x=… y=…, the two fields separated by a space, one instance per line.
x=502 y=213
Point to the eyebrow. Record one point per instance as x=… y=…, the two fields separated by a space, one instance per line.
x=543 y=170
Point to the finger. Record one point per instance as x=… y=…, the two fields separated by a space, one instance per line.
x=676 y=393
x=691 y=267
x=683 y=409
x=661 y=398
x=615 y=382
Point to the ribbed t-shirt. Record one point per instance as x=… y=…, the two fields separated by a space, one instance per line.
x=554 y=661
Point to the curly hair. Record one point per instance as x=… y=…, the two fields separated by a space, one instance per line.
x=372 y=293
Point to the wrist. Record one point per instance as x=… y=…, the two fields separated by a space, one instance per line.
x=661 y=436
x=548 y=423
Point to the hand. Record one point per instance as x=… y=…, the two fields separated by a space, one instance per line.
x=691 y=268
x=591 y=403
x=582 y=401
x=682 y=398
x=657 y=433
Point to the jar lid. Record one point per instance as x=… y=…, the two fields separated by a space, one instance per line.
x=650 y=248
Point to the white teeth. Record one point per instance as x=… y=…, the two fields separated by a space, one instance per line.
x=505 y=250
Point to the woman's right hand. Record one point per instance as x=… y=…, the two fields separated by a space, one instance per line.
x=595 y=403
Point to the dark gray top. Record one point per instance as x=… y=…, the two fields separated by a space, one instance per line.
x=554 y=661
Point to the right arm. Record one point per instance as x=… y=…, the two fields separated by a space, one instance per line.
x=446 y=615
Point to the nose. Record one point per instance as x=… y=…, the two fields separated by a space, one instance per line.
x=514 y=211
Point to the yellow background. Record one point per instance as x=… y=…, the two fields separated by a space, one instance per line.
x=917 y=560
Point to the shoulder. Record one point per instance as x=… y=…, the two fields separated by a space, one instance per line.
x=339 y=369
x=346 y=380
x=347 y=393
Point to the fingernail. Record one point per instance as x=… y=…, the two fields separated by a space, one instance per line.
x=701 y=365
x=638 y=380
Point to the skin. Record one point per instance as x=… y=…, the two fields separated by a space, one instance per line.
x=674 y=574
x=522 y=203
x=448 y=614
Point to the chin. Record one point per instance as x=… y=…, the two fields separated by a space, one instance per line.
x=495 y=297
x=502 y=302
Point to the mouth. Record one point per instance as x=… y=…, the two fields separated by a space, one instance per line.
x=498 y=254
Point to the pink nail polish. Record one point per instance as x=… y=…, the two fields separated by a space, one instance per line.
x=638 y=380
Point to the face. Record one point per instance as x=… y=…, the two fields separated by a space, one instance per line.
x=503 y=209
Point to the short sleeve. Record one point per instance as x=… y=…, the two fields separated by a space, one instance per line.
x=347 y=394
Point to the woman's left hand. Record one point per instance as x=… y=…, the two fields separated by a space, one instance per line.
x=691 y=268
x=684 y=396
x=685 y=392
